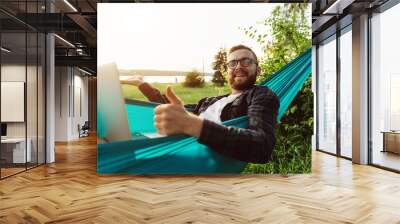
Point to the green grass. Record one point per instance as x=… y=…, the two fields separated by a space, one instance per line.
x=188 y=95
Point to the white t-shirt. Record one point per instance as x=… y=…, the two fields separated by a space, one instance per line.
x=213 y=112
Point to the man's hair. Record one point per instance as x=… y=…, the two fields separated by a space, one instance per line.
x=240 y=47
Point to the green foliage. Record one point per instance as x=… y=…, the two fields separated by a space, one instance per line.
x=220 y=60
x=219 y=66
x=218 y=79
x=292 y=153
x=288 y=35
x=193 y=79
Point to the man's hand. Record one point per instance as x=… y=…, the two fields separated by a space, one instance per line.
x=170 y=119
x=136 y=80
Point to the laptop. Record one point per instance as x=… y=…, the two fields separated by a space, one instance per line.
x=111 y=105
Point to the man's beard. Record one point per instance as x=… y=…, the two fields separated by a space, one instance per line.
x=249 y=82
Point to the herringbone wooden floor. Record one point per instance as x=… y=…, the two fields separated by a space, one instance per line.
x=70 y=191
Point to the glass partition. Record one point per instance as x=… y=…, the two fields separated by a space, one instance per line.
x=13 y=105
x=385 y=89
x=346 y=92
x=327 y=95
x=22 y=77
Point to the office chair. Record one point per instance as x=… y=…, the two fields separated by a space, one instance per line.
x=84 y=130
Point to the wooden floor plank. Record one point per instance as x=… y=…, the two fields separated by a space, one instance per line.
x=70 y=191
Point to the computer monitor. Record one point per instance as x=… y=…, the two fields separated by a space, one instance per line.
x=3 y=129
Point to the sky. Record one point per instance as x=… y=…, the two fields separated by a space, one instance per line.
x=176 y=37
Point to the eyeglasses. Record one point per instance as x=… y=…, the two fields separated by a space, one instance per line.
x=244 y=62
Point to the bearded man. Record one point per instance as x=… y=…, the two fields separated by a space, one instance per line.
x=253 y=144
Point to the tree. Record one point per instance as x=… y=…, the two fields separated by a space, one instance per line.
x=219 y=66
x=284 y=36
x=194 y=79
x=218 y=78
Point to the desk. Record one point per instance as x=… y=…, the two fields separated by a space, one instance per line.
x=391 y=141
x=16 y=147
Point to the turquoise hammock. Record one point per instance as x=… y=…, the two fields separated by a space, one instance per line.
x=183 y=154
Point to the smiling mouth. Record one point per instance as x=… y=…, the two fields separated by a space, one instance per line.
x=240 y=76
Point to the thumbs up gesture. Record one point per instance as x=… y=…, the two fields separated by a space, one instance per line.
x=172 y=97
x=173 y=118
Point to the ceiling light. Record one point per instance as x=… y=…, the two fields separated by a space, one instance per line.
x=70 y=5
x=338 y=6
x=64 y=40
x=86 y=72
x=5 y=50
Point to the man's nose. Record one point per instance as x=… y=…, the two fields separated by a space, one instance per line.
x=238 y=66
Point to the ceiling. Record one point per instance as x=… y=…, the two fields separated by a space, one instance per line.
x=76 y=22
x=328 y=16
x=76 y=25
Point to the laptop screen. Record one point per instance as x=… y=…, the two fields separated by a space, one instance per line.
x=111 y=104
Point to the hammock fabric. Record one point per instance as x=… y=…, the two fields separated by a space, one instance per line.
x=183 y=154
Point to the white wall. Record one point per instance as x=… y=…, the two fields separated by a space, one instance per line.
x=16 y=73
x=33 y=127
x=71 y=87
x=79 y=110
x=61 y=103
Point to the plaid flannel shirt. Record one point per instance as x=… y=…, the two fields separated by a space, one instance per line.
x=253 y=144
